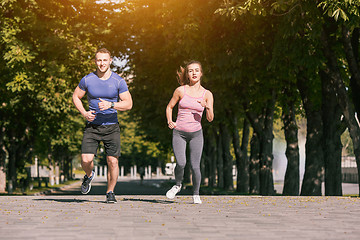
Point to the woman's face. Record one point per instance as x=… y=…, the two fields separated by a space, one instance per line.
x=194 y=72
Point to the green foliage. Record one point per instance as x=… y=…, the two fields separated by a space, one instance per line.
x=234 y=10
x=164 y=34
x=340 y=9
x=337 y=9
x=250 y=50
x=47 y=47
x=135 y=148
x=20 y=83
x=348 y=147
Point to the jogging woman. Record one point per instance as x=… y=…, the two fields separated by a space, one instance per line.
x=192 y=99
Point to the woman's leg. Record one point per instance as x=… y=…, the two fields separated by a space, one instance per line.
x=179 y=148
x=196 y=146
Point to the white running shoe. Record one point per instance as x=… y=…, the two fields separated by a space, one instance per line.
x=173 y=191
x=197 y=199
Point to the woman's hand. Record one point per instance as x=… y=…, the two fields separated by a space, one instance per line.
x=208 y=104
x=202 y=103
x=177 y=95
x=171 y=125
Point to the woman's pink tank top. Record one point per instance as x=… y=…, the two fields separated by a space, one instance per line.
x=189 y=113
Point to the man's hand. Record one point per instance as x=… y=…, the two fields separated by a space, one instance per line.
x=103 y=105
x=90 y=115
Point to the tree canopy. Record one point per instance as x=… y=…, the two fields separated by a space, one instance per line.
x=263 y=60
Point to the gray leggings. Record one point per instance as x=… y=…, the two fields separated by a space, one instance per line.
x=195 y=140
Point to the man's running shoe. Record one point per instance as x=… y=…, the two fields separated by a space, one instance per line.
x=110 y=197
x=197 y=199
x=173 y=191
x=86 y=184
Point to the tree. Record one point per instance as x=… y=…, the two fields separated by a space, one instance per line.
x=308 y=26
x=46 y=48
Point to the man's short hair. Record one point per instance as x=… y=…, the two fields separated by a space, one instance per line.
x=103 y=50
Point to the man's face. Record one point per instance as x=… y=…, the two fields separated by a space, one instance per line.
x=103 y=62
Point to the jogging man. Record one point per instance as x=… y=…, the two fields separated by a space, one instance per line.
x=107 y=93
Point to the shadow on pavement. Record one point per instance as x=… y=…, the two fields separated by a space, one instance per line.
x=147 y=200
x=123 y=187
x=66 y=200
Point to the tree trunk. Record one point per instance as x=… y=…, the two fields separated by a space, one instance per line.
x=254 y=167
x=292 y=174
x=242 y=160
x=2 y=164
x=18 y=148
x=12 y=176
x=13 y=148
x=332 y=138
x=342 y=97
x=354 y=83
x=314 y=157
x=351 y=47
x=266 y=157
x=220 y=162
x=236 y=147
x=210 y=154
x=228 y=165
x=65 y=167
x=263 y=125
x=244 y=178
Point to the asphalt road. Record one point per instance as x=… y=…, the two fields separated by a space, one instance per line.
x=124 y=186
x=143 y=212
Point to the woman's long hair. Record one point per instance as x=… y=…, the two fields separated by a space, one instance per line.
x=182 y=74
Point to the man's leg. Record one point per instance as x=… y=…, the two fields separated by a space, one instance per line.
x=112 y=148
x=87 y=163
x=113 y=172
x=89 y=147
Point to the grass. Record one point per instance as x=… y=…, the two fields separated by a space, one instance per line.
x=37 y=189
x=351 y=195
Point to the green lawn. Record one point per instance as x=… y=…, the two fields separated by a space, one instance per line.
x=37 y=188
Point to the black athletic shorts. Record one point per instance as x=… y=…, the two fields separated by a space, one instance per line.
x=108 y=134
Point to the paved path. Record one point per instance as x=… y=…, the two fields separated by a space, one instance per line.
x=124 y=186
x=155 y=217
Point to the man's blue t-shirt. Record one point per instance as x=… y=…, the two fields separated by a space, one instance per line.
x=107 y=90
